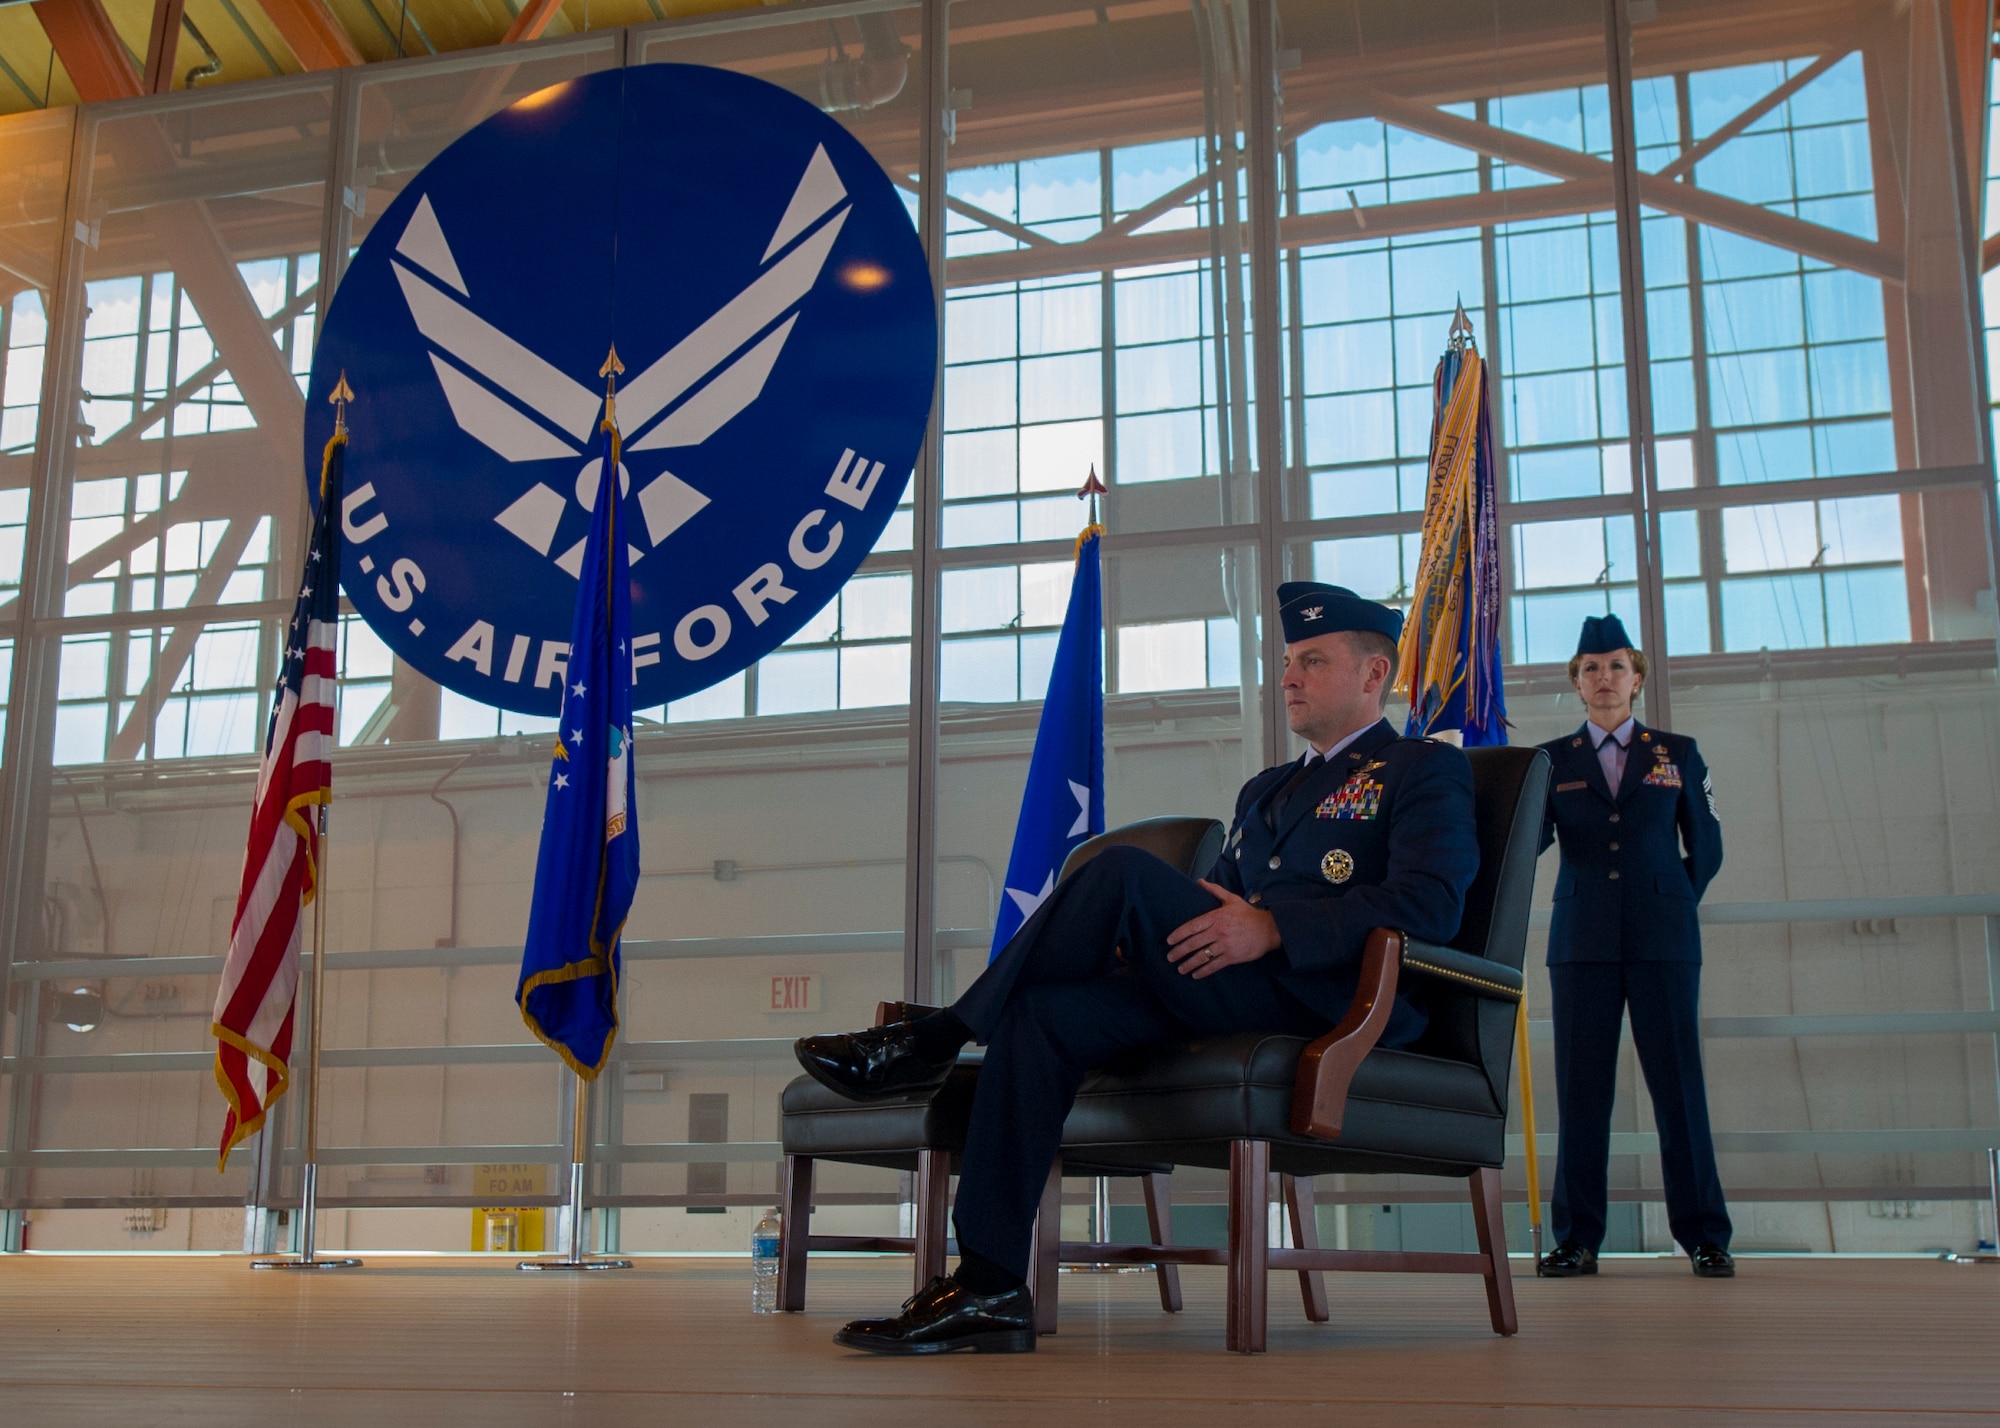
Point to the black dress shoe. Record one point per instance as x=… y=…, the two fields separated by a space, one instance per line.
x=1566 y=1261
x=867 y=1065
x=945 y=1316
x=1713 y=1262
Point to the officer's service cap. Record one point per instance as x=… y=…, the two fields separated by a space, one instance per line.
x=1309 y=608
x=1603 y=634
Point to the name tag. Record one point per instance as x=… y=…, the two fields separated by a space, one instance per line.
x=1571 y=787
x=1357 y=798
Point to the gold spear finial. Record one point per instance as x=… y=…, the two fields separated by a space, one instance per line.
x=341 y=395
x=609 y=371
x=1461 y=327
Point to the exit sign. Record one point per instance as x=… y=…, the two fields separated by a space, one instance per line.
x=793 y=992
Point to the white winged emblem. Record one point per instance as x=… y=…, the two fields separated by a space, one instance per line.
x=697 y=388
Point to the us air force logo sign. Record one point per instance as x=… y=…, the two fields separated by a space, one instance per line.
x=763 y=285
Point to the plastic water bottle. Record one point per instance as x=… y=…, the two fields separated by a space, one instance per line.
x=764 y=1264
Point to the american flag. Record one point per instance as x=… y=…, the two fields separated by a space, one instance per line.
x=253 y=1008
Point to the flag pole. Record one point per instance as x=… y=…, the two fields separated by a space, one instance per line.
x=575 y=1258
x=1534 y=1156
x=309 y=1199
x=1100 y=1199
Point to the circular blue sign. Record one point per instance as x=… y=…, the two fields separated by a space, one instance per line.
x=761 y=282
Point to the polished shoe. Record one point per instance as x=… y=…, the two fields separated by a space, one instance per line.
x=1566 y=1261
x=868 y=1065
x=945 y=1316
x=1713 y=1262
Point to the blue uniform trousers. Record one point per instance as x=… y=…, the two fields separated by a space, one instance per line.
x=1664 y=999
x=1086 y=978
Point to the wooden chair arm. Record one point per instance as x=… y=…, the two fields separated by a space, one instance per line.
x=1327 y=1067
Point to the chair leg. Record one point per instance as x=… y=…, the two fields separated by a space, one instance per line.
x=1045 y=1253
x=1492 y=1228
x=1249 y=1243
x=1160 y=1225
x=1297 y=1192
x=932 y=1213
x=794 y=1231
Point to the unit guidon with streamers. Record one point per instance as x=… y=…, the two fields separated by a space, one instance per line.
x=260 y=981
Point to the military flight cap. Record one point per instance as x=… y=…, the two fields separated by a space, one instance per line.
x=1603 y=634
x=1309 y=608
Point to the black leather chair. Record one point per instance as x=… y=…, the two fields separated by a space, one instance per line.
x=1340 y=1105
x=924 y=1133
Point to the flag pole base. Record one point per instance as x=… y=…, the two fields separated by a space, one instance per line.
x=343 y=1263
x=574 y=1264
x=1100 y=1218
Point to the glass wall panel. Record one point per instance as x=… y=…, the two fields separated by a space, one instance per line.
x=1490 y=190
x=1989 y=286
x=1807 y=308
x=1798 y=516
x=1812 y=326
x=1097 y=318
x=1096 y=262
x=199 y=293
x=771 y=898
x=34 y=157
x=1175 y=737
x=777 y=824
x=34 y=170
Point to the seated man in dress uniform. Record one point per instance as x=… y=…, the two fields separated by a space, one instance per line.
x=1367 y=830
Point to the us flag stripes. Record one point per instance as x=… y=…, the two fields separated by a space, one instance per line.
x=254 y=1006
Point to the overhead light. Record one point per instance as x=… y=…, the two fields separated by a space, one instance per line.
x=80 y=1010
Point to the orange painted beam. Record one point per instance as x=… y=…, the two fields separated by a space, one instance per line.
x=315 y=36
x=533 y=19
x=91 y=53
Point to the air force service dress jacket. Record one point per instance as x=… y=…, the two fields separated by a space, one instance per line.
x=1635 y=860
x=1380 y=836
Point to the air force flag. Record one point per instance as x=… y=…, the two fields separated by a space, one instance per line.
x=589 y=862
x=1064 y=801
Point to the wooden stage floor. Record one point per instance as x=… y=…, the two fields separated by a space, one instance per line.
x=448 y=1342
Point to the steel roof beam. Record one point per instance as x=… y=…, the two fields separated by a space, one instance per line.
x=1814 y=240
x=1309 y=230
x=315 y=36
x=162 y=45
x=532 y=21
x=88 y=45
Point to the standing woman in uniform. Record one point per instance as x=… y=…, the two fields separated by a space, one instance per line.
x=1635 y=813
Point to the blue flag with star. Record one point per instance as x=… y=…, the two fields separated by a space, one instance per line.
x=1064 y=800
x=588 y=867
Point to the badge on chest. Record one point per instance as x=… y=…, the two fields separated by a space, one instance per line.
x=1665 y=773
x=1359 y=797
